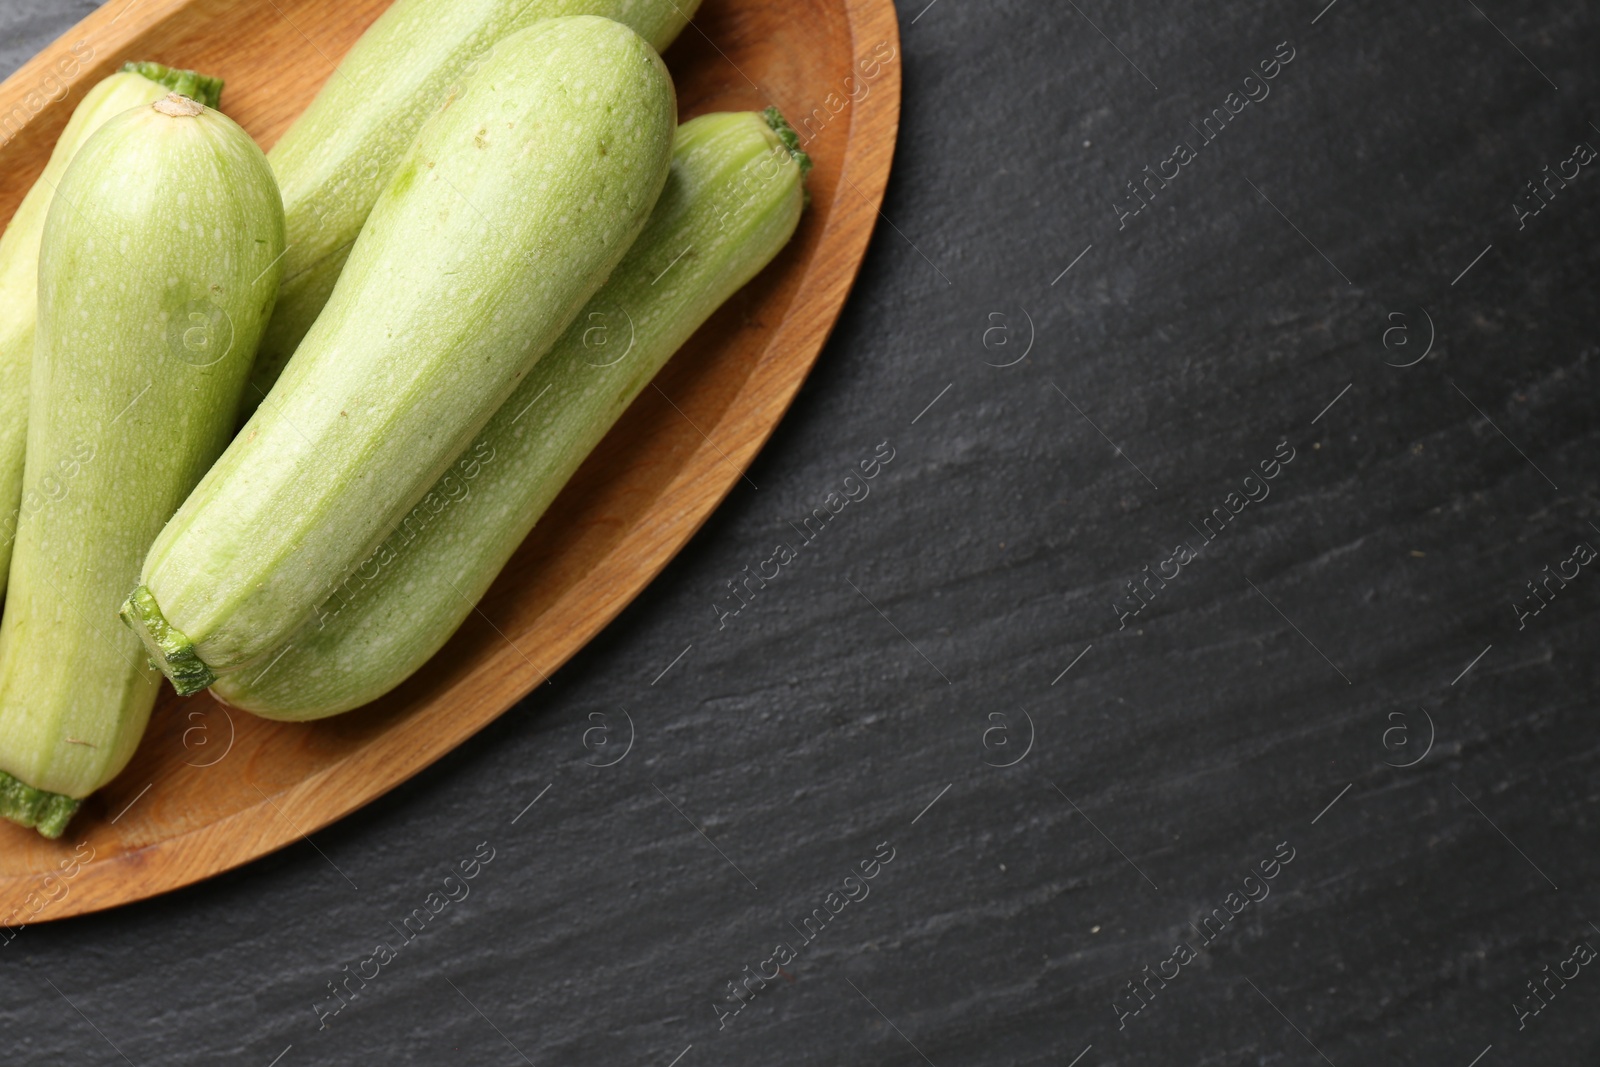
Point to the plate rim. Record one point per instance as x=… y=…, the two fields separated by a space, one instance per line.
x=504 y=678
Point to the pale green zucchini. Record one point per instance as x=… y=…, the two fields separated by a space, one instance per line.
x=157 y=271
x=341 y=152
x=731 y=202
x=510 y=210
x=135 y=84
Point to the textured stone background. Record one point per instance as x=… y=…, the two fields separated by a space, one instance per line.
x=1264 y=697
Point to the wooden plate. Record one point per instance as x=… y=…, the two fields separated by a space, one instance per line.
x=211 y=788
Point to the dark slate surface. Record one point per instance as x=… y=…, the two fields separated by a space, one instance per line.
x=1360 y=617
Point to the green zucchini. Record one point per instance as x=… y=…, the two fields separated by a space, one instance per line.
x=135 y=85
x=158 y=267
x=731 y=202
x=338 y=156
x=512 y=207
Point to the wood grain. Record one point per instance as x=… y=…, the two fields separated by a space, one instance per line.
x=211 y=788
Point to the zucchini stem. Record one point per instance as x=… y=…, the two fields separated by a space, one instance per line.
x=207 y=90
x=24 y=805
x=170 y=650
x=790 y=139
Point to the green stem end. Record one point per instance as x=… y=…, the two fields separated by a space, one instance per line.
x=171 y=652
x=197 y=87
x=24 y=805
x=790 y=139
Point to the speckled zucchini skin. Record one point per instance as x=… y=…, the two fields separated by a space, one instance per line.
x=135 y=84
x=732 y=201
x=338 y=156
x=514 y=205
x=157 y=272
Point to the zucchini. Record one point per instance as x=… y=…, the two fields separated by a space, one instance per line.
x=731 y=202
x=341 y=152
x=514 y=204
x=135 y=85
x=158 y=268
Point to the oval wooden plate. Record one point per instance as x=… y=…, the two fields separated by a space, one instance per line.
x=211 y=788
